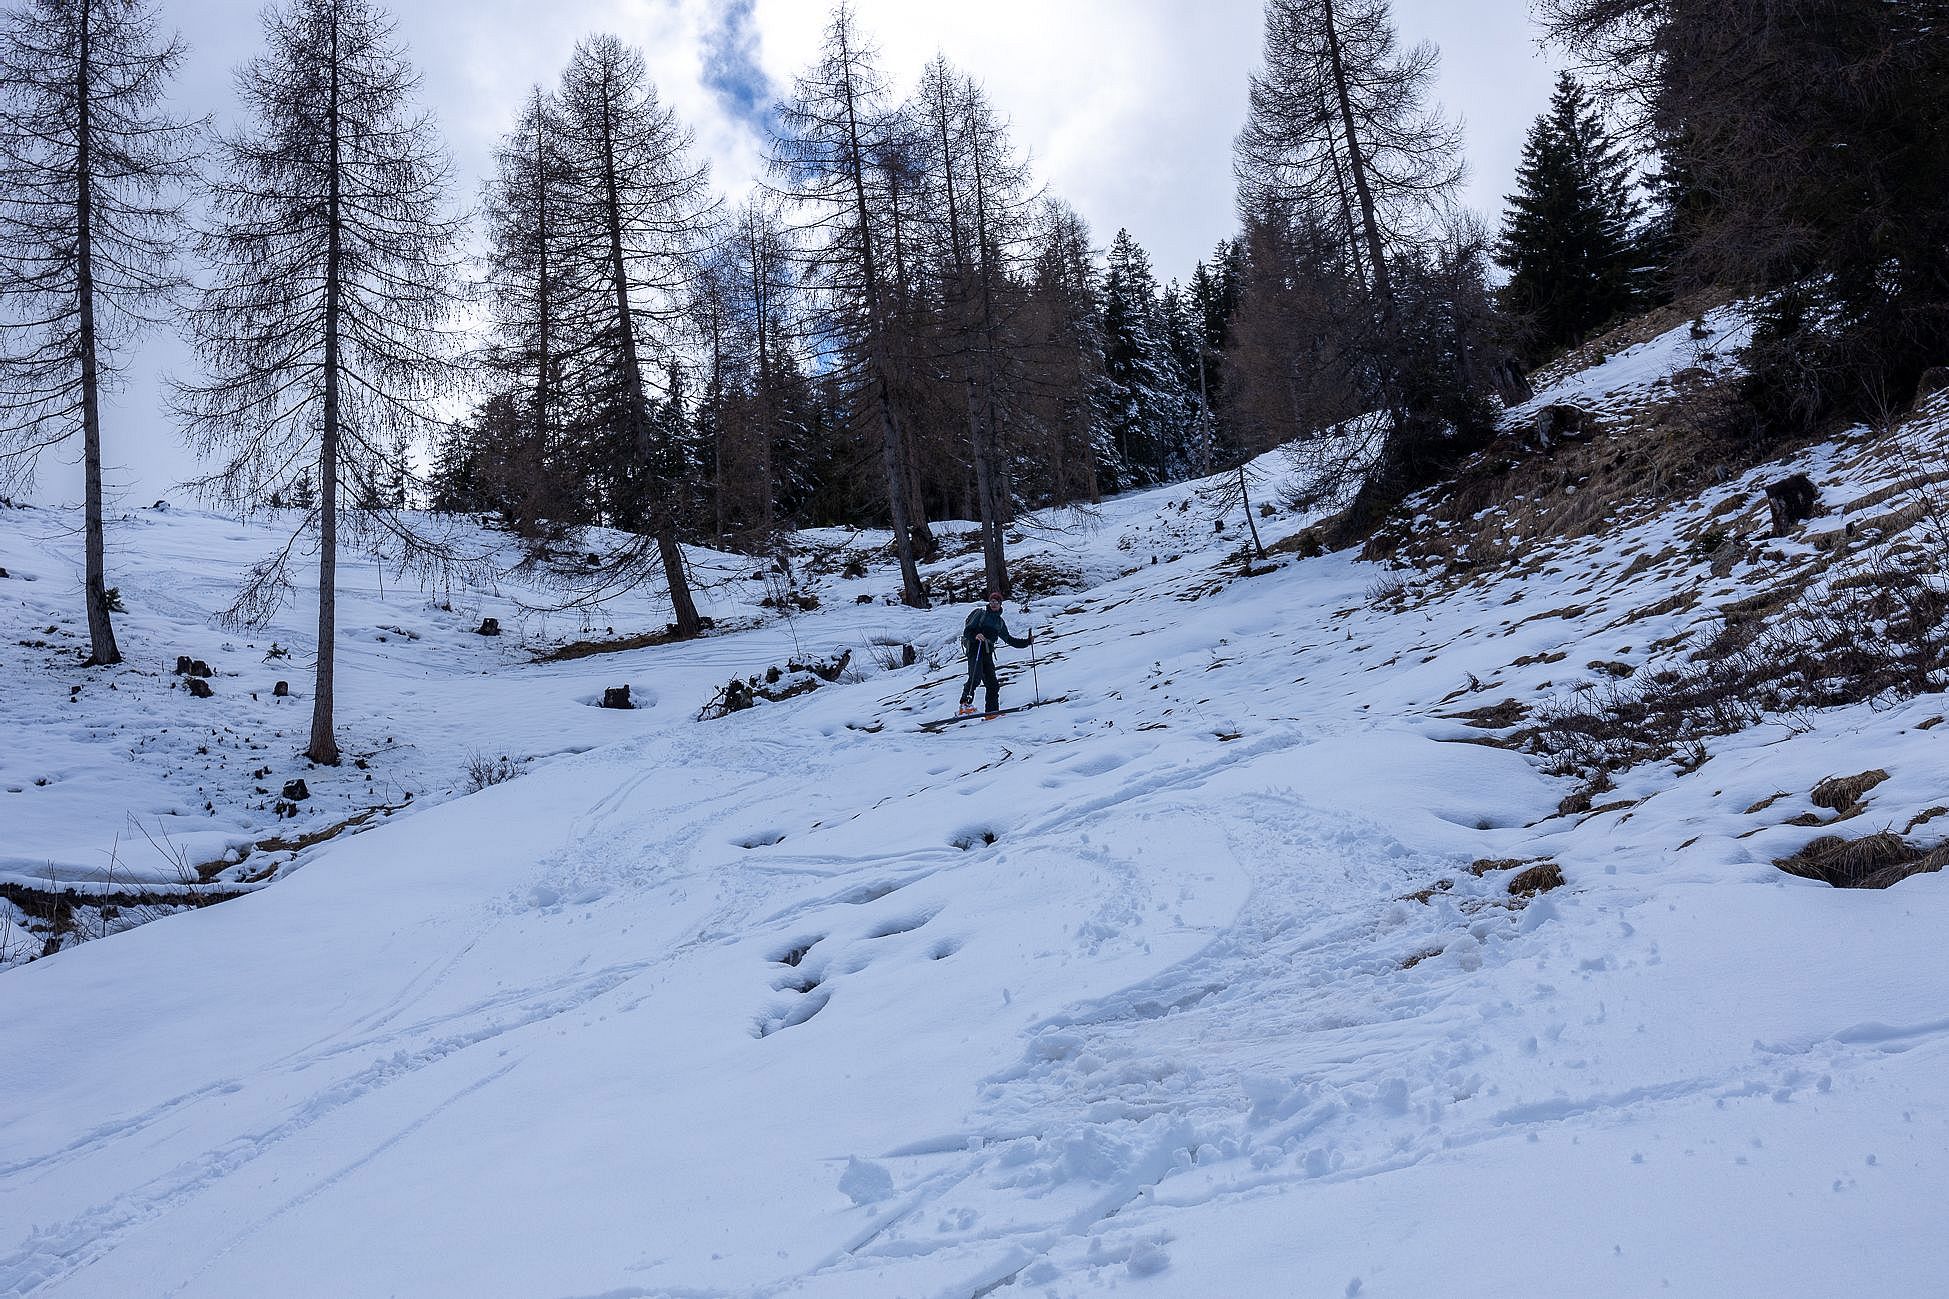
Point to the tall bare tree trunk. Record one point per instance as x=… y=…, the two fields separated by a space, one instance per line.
x=1396 y=451
x=912 y=593
x=1245 y=503
x=992 y=563
x=545 y=362
x=324 y=746
x=101 y=633
x=892 y=448
x=717 y=420
x=767 y=409
x=688 y=623
x=1356 y=164
x=1346 y=201
x=991 y=477
x=662 y=525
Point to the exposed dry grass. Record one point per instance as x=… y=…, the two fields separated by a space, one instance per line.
x=1780 y=654
x=1540 y=878
x=1875 y=861
x=1507 y=498
x=583 y=649
x=1843 y=793
x=1493 y=717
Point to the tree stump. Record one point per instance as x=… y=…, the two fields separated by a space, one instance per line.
x=1933 y=380
x=488 y=627
x=616 y=697
x=200 y=688
x=1791 y=500
x=281 y=690
x=296 y=790
x=1559 y=422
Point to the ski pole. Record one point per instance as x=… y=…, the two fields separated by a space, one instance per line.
x=1033 y=672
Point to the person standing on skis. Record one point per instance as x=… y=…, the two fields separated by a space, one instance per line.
x=978 y=636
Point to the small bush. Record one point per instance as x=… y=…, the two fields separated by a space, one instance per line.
x=483 y=771
x=1386 y=589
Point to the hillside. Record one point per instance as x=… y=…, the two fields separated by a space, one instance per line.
x=1335 y=929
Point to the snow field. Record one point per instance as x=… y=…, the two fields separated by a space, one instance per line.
x=1157 y=990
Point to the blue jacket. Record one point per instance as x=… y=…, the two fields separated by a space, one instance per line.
x=992 y=625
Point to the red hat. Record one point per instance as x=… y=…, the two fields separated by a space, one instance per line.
x=994 y=595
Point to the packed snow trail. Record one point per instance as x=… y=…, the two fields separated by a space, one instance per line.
x=1154 y=989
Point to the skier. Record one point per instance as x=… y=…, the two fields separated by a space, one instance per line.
x=978 y=636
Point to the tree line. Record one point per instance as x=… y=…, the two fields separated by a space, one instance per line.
x=901 y=324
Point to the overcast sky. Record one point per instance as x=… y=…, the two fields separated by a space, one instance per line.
x=1127 y=106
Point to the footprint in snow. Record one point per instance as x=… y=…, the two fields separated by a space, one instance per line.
x=801 y=1011
x=906 y=925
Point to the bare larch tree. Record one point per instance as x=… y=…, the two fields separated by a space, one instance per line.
x=980 y=200
x=833 y=133
x=524 y=202
x=1340 y=136
x=638 y=213
x=90 y=173
x=323 y=330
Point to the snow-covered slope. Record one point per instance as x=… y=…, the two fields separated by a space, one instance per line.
x=1181 y=985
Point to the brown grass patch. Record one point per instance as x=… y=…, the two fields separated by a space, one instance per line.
x=1924 y=817
x=1777 y=654
x=1881 y=496
x=1493 y=717
x=1683 y=602
x=1843 y=793
x=1540 y=878
x=1876 y=861
x=583 y=649
x=312 y=839
x=1309 y=543
x=1505 y=500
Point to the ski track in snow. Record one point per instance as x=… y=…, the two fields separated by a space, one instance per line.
x=1124 y=992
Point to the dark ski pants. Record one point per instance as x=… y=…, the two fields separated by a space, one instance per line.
x=981 y=672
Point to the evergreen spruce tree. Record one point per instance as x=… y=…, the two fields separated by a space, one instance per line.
x=1215 y=291
x=1143 y=400
x=1063 y=328
x=1567 y=239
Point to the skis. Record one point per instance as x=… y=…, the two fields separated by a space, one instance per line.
x=941 y=724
